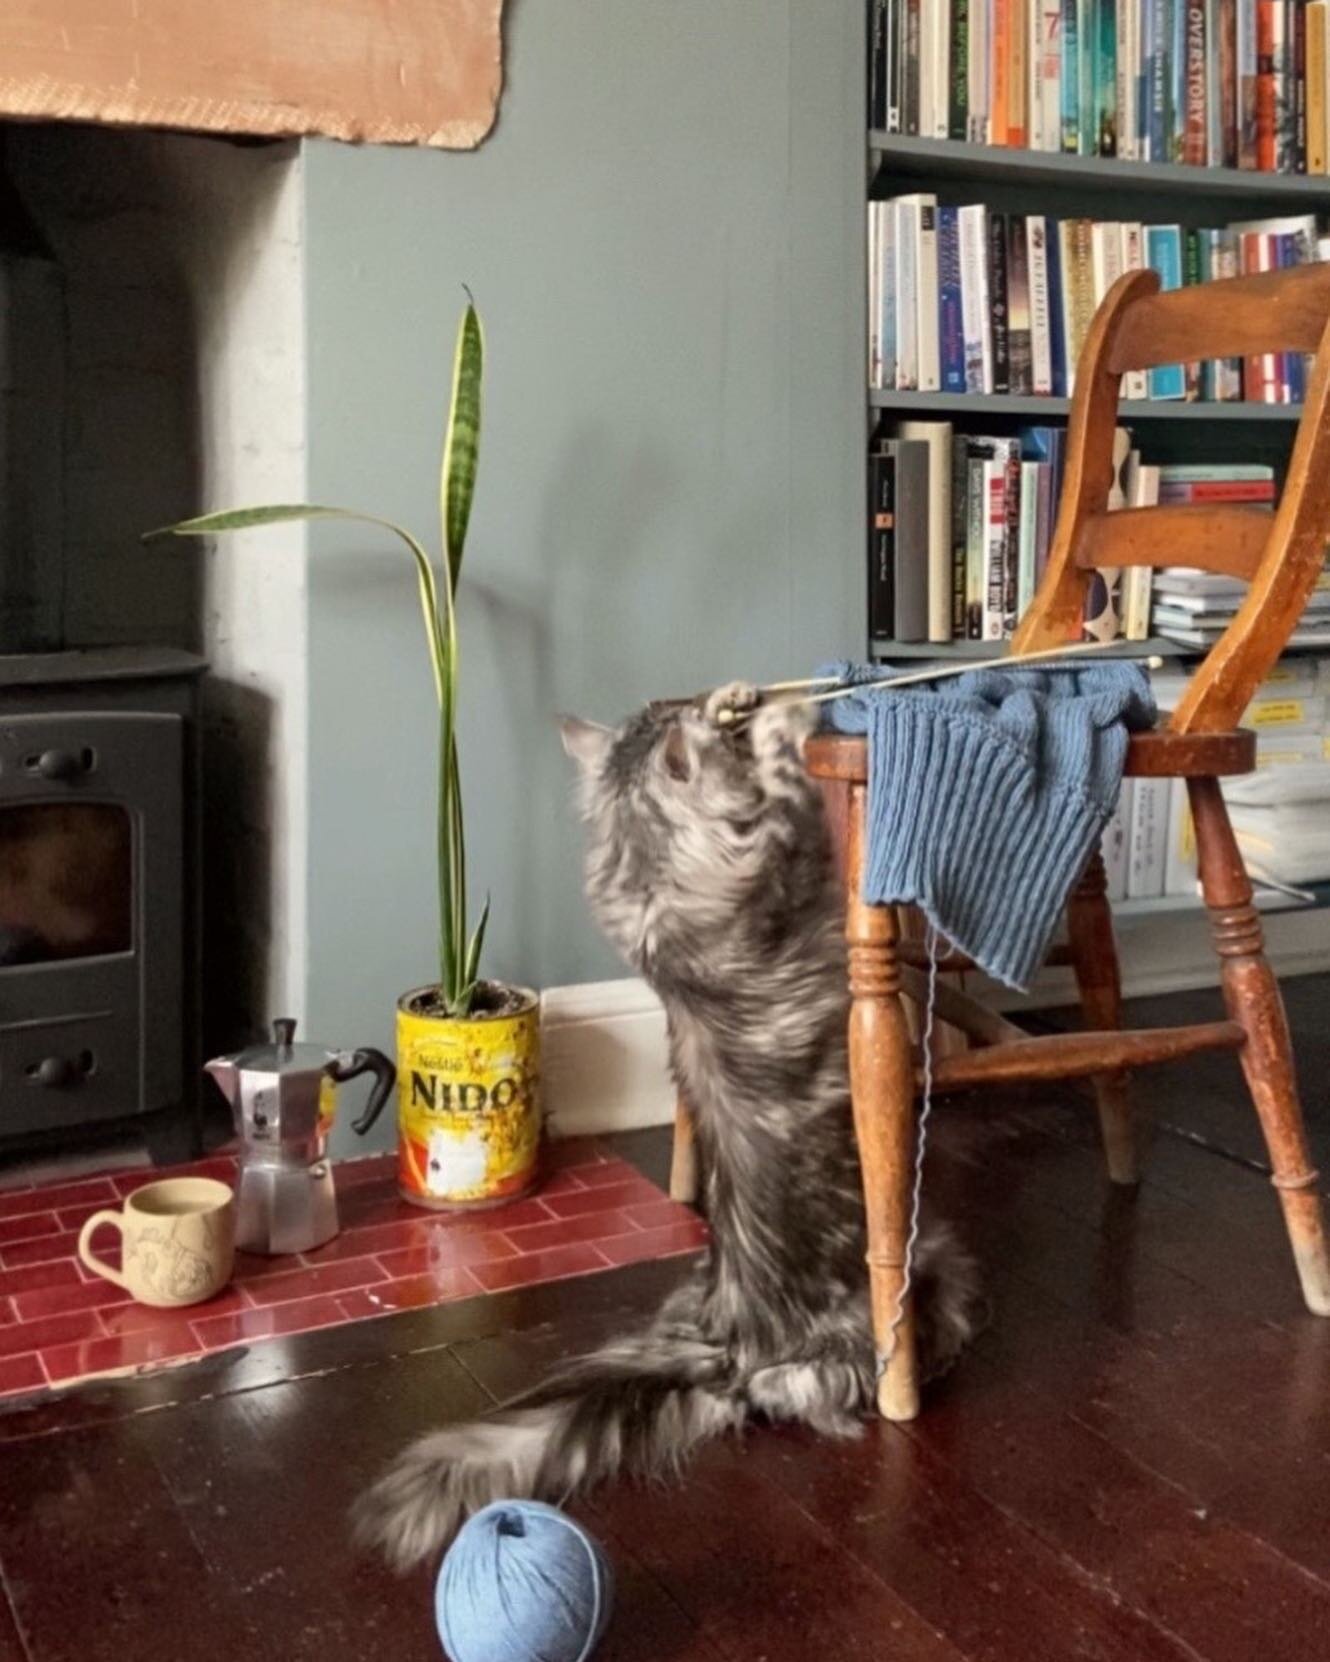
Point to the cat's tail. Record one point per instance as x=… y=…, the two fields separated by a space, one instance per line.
x=640 y=1407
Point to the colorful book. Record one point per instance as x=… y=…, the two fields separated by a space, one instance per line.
x=1041 y=343
x=976 y=320
x=937 y=437
x=881 y=543
x=998 y=301
x=1019 y=328
x=951 y=328
x=958 y=59
x=1163 y=253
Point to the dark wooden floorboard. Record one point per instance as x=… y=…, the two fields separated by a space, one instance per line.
x=1132 y=1465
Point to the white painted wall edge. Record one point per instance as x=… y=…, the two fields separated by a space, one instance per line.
x=603 y=1042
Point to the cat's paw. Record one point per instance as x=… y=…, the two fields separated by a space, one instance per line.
x=730 y=703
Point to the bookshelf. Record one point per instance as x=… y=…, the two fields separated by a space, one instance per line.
x=1022 y=181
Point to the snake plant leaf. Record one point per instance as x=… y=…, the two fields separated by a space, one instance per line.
x=461 y=446
x=438 y=632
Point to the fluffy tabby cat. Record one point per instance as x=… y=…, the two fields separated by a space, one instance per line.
x=709 y=867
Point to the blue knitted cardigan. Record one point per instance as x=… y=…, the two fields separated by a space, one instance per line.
x=987 y=794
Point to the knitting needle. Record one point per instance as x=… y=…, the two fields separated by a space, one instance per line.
x=729 y=718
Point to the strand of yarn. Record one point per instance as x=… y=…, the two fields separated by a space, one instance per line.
x=925 y=1108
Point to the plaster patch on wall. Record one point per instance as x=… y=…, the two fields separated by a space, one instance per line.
x=378 y=71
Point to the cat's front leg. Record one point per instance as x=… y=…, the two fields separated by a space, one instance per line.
x=729 y=703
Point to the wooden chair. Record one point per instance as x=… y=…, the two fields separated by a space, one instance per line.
x=1136 y=327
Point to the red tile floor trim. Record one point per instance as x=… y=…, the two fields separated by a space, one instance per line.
x=59 y=1323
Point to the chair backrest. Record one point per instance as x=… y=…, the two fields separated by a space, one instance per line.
x=1137 y=327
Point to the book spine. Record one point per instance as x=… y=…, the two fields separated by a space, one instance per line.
x=886 y=272
x=1226 y=59
x=1160 y=28
x=1195 y=135
x=1082 y=284
x=1145 y=857
x=995 y=542
x=960 y=472
x=1087 y=33
x=1011 y=542
x=874 y=296
x=1214 y=103
x=1268 y=15
x=910 y=70
x=951 y=326
x=1043 y=535
x=926 y=299
x=1018 y=79
x=1298 y=72
x=974 y=298
x=1114 y=844
x=1000 y=62
x=1228 y=371
x=1105 y=78
x=958 y=111
x=997 y=301
x=942 y=71
x=1144 y=35
x=912 y=512
x=976 y=526
x=1163 y=252
x=927 y=66
x=1049 y=59
x=1056 y=308
x=895 y=42
x=1177 y=63
x=1315 y=82
x=1041 y=345
x=907 y=291
x=1191 y=273
x=881 y=544
x=1126 y=79
x=1246 y=66
x=1019 y=331
x=1029 y=535
x=1135 y=383
x=978 y=71
x=877 y=63
x=1284 y=99
x=1071 y=90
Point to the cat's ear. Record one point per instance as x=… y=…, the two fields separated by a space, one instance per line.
x=677 y=757
x=585 y=741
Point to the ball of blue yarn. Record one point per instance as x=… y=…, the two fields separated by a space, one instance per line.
x=522 y=1583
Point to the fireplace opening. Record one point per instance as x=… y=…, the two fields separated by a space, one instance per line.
x=151 y=368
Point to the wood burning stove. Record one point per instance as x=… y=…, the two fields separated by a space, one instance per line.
x=99 y=890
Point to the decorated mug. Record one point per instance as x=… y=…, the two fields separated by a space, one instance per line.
x=178 y=1241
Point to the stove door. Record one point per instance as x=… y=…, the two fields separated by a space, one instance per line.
x=91 y=944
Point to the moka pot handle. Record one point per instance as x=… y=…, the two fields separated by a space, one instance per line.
x=372 y=1061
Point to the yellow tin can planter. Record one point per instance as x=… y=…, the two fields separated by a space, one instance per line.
x=468 y=1091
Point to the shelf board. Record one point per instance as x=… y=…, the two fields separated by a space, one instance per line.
x=1025 y=408
x=885 y=651
x=919 y=158
x=1265 y=900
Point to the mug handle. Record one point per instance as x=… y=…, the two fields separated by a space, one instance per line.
x=97 y=1265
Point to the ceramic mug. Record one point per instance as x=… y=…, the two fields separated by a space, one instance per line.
x=178 y=1241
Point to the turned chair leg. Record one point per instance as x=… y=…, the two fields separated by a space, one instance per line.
x=1094 y=961
x=1252 y=995
x=683 y=1159
x=882 y=1092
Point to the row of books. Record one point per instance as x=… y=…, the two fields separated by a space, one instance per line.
x=968 y=300
x=959 y=528
x=1194 y=608
x=1280 y=813
x=1212 y=83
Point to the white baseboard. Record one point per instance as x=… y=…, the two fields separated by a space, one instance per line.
x=603 y=1042
x=603 y=1058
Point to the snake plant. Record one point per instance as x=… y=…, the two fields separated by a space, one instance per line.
x=459 y=954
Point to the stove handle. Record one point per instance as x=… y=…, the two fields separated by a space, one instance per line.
x=61 y=764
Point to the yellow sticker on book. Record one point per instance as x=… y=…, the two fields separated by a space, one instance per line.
x=1276 y=712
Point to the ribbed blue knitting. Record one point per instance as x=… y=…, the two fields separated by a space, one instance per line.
x=987 y=794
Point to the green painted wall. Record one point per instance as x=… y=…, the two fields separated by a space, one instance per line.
x=664 y=236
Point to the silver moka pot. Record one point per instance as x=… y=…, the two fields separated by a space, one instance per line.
x=284 y=1098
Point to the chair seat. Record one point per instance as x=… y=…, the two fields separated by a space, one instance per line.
x=1155 y=755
